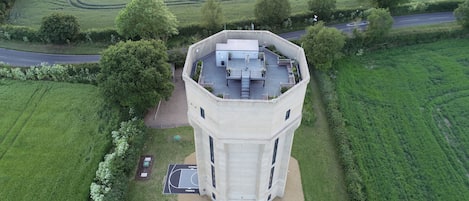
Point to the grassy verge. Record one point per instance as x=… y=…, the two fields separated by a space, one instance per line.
x=316 y=152
x=53 y=49
x=51 y=140
x=406 y=112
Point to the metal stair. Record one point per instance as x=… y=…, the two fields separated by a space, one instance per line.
x=245 y=82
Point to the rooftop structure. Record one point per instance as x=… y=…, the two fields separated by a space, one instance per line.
x=245 y=92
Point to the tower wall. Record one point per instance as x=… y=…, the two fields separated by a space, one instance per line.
x=243 y=146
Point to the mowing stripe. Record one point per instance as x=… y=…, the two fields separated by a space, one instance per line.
x=15 y=130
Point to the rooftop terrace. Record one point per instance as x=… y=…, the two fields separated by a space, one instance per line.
x=247 y=65
x=264 y=77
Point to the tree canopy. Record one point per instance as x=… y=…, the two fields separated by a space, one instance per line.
x=212 y=16
x=322 y=8
x=272 y=12
x=462 y=14
x=59 y=28
x=388 y=3
x=147 y=19
x=380 y=22
x=135 y=74
x=323 y=45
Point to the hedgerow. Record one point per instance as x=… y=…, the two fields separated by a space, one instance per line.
x=402 y=38
x=353 y=179
x=112 y=174
x=74 y=73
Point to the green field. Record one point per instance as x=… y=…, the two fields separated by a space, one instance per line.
x=30 y=12
x=50 y=145
x=407 y=112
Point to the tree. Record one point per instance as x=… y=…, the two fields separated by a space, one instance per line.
x=379 y=22
x=388 y=3
x=323 y=45
x=135 y=74
x=322 y=8
x=147 y=19
x=272 y=12
x=212 y=16
x=59 y=28
x=462 y=14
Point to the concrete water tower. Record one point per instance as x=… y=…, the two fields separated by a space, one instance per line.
x=245 y=92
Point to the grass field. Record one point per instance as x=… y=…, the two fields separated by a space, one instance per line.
x=407 y=112
x=313 y=147
x=50 y=145
x=30 y=12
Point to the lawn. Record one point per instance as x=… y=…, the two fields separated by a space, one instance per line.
x=166 y=151
x=321 y=174
x=50 y=140
x=407 y=113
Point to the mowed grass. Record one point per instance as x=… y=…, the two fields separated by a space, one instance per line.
x=50 y=143
x=313 y=147
x=407 y=112
x=166 y=151
x=30 y=12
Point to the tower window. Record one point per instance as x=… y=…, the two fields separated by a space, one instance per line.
x=212 y=155
x=213 y=196
x=271 y=177
x=274 y=156
x=202 y=113
x=270 y=196
x=287 y=115
x=213 y=177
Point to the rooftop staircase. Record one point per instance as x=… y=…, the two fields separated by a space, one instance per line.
x=245 y=82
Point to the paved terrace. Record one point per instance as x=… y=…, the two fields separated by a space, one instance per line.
x=278 y=73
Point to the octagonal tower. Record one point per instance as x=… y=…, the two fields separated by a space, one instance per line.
x=245 y=92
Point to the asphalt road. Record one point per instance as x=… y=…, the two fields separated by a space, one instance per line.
x=20 y=58
x=399 y=22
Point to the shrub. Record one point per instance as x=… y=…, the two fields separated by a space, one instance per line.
x=308 y=111
x=12 y=32
x=112 y=174
x=76 y=73
x=107 y=35
x=59 y=28
x=177 y=57
x=462 y=14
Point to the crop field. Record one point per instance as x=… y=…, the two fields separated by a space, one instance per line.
x=407 y=113
x=50 y=143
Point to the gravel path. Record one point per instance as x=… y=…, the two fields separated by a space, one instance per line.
x=171 y=113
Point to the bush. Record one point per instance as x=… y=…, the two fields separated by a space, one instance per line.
x=177 y=57
x=107 y=35
x=112 y=174
x=59 y=28
x=462 y=14
x=12 y=32
x=75 y=73
x=5 y=6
